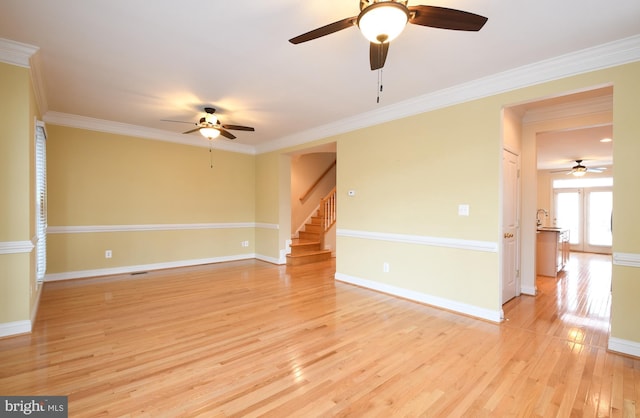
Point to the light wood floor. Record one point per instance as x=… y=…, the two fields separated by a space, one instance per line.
x=249 y=338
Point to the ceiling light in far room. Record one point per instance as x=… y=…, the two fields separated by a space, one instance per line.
x=209 y=133
x=579 y=171
x=606 y=140
x=383 y=22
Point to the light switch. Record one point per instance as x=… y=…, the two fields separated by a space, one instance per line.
x=463 y=210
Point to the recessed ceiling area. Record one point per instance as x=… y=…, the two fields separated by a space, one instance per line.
x=560 y=149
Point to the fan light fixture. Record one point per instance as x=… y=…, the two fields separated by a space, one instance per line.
x=579 y=171
x=209 y=133
x=383 y=22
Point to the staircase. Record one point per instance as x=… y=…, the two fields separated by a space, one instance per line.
x=307 y=248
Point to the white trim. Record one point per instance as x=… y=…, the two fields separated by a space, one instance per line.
x=15 y=328
x=101 y=125
x=16 y=247
x=607 y=55
x=595 y=105
x=153 y=227
x=271 y=260
x=631 y=348
x=484 y=246
x=626 y=259
x=81 y=274
x=528 y=290
x=16 y=53
x=262 y=225
x=451 y=305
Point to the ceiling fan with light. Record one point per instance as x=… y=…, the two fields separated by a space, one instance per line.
x=210 y=127
x=580 y=170
x=381 y=21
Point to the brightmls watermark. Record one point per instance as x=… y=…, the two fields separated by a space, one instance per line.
x=34 y=406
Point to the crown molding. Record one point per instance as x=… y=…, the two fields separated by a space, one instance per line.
x=100 y=125
x=16 y=53
x=607 y=55
x=26 y=56
x=566 y=110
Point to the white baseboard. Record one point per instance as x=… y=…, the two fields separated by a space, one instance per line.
x=272 y=260
x=15 y=328
x=144 y=267
x=451 y=305
x=630 y=348
x=528 y=290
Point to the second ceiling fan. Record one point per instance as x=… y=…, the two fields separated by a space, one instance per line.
x=381 y=21
x=210 y=127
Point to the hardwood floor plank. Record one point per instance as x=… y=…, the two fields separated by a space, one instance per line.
x=249 y=339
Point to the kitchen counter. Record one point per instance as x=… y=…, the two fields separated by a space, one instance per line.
x=552 y=250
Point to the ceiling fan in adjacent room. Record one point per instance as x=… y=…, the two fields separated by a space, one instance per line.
x=210 y=127
x=381 y=21
x=580 y=170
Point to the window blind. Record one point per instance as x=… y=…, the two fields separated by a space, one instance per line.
x=41 y=201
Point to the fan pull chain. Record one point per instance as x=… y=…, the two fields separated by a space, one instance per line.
x=210 y=154
x=380 y=87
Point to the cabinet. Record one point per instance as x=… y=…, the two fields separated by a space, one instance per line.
x=552 y=250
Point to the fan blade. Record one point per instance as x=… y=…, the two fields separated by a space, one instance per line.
x=238 y=127
x=193 y=130
x=445 y=18
x=226 y=134
x=595 y=170
x=176 y=121
x=325 y=30
x=378 y=55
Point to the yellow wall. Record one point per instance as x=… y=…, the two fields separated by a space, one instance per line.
x=410 y=175
x=16 y=154
x=105 y=180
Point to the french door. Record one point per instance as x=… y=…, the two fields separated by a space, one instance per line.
x=586 y=212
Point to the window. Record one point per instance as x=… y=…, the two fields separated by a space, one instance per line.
x=41 y=201
x=582 y=183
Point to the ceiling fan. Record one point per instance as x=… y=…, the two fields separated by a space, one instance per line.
x=381 y=21
x=580 y=170
x=210 y=127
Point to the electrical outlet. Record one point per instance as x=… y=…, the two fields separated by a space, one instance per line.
x=108 y=254
x=385 y=267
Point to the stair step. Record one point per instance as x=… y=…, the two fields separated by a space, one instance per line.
x=298 y=248
x=310 y=236
x=314 y=228
x=308 y=257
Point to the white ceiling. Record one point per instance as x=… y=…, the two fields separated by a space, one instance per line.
x=137 y=62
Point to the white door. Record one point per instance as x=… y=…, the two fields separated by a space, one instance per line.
x=510 y=262
x=586 y=212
